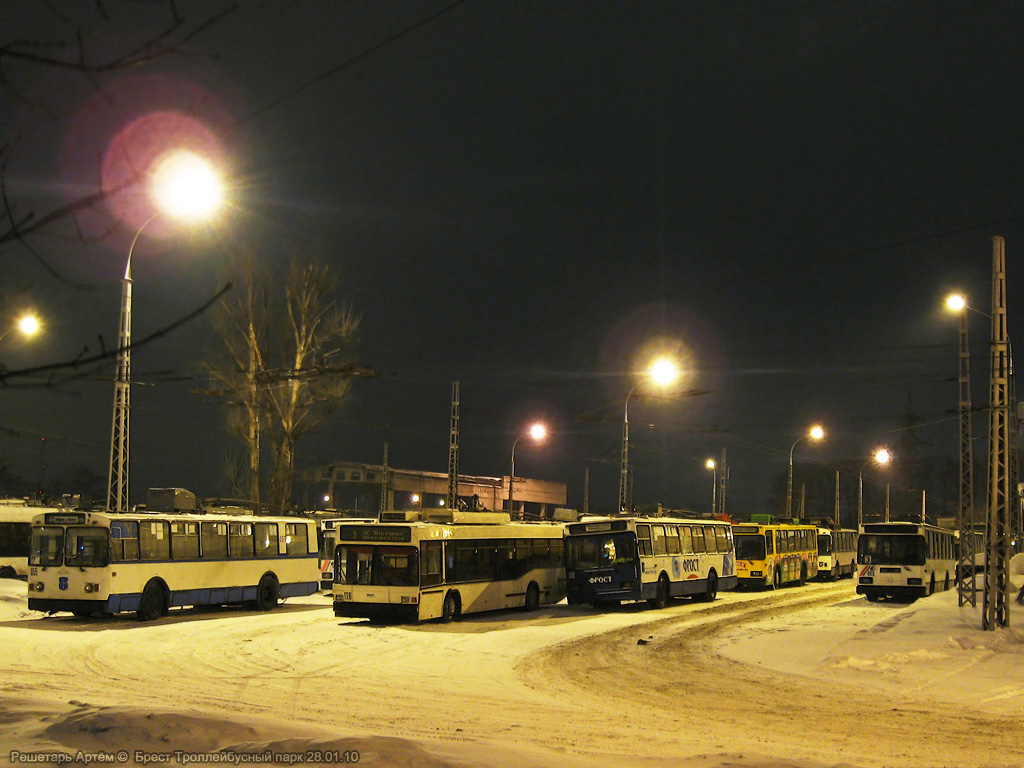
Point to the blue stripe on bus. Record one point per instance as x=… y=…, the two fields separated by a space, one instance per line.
x=209 y=596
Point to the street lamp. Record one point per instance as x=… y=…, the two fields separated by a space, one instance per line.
x=881 y=457
x=663 y=372
x=815 y=433
x=183 y=185
x=27 y=325
x=710 y=464
x=537 y=432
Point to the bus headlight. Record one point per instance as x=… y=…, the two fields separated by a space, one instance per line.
x=92 y=587
x=38 y=586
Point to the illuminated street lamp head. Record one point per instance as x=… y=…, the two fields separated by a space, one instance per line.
x=710 y=464
x=186 y=186
x=882 y=456
x=816 y=433
x=956 y=302
x=538 y=432
x=28 y=325
x=664 y=372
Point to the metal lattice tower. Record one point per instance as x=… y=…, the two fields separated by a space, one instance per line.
x=966 y=581
x=117 y=479
x=453 y=451
x=997 y=534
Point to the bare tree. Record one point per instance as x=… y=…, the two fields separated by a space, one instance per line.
x=283 y=379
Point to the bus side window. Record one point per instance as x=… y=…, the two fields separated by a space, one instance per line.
x=266 y=540
x=658 y=539
x=240 y=540
x=721 y=540
x=296 y=540
x=124 y=541
x=643 y=540
x=672 y=539
x=685 y=543
x=184 y=541
x=768 y=541
x=214 y=540
x=154 y=541
x=698 y=540
x=709 y=539
x=430 y=563
x=557 y=556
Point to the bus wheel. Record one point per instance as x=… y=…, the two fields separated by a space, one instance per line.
x=871 y=596
x=532 y=597
x=452 y=608
x=711 y=590
x=267 y=592
x=660 y=599
x=153 y=604
x=8 y=573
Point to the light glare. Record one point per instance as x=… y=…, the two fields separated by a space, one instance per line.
x=664 y=371
x=816 y=433
x=186 y=186
x=28 y=325
x=956 y=302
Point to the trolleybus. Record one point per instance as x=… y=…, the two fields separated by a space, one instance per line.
x=15 y=532
x=608 y=560
x=95 y=563
x=775 y=554
x=413 y=566
x=837 y=553
x=904 y=560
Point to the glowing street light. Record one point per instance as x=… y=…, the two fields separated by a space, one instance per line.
x=27 y=325
x=183 y=185
x=815 y=433
x=538 y=433
x=880 y=457
x=663 y=372
x=710 y=464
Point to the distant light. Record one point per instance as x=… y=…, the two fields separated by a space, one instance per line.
x=186 y=185
x=326 y=498
x=415 y=498
x=440 y=503
x=882 y=456
x=956 y=302
x=816 y=433
x=538 y=432
x=710 y=464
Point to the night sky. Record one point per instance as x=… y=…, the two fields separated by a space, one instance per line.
x=525 y=197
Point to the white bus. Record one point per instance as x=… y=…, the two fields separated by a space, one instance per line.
x=837 y=553
x=611 y=559
x=904 y=560
x=413 y=566
x=15 y=531
x=97 y=563
x=326 y=529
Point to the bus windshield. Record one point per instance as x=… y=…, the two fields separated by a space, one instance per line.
x=86 y=547
x=824 y=544
x=749 y=546
x=379 y=566
x=47 y=546
x=883 y=549
x=600 y=550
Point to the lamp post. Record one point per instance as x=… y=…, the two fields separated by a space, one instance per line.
x=184 y=186
x=815 y=433
x=710 y=464
x=662 y=372
x=881 y=457
x=537 y=432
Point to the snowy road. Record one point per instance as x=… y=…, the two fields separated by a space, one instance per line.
x=692 y=685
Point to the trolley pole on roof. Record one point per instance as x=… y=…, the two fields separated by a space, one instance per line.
x=997 y=534
x=453 y=451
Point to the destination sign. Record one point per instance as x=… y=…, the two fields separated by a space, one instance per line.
x=64 y=518
x=380 y=534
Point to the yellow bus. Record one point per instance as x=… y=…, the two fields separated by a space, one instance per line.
x=98 y=563
x=413 y=566
x=775 y=554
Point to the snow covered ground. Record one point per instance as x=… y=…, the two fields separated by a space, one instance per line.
x=802 y=678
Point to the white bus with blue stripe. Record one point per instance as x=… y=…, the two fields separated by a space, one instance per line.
x=612 y=559
x=99 y=563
